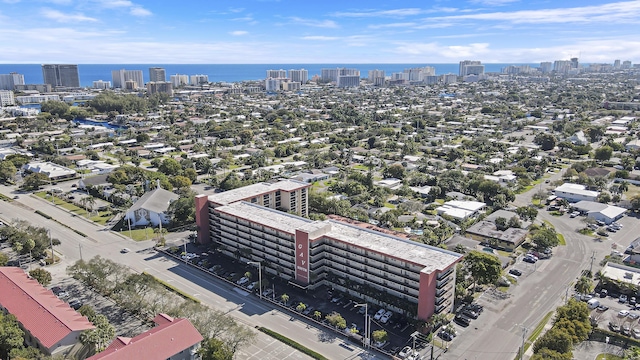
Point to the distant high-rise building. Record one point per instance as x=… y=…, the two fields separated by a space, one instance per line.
x=301 y=75
x=277 y=74
x=65 y=75
x=99 y=84
x=41 y=88
x=449 y=78
x=272 y=84
x=431 y=80
x=10 y=80
x=546 y=66
x=159 y=87
x=345 y=81
x=417 y=74
x=626 y=65
x=120 y=78
x=199 y=79
x=6 y=98
x=616 y=64
x=332 y=74
x=291 y=86
x=471 y=67
x=157 y=74
x=179 y=80
x=376 y=77
x=574 y=63
x=562 y=66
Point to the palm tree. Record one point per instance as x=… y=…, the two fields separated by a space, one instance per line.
x=317 y=315
x=623 y=186
x=284 y=298
x=584 y=285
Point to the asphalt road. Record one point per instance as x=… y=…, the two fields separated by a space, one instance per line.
x=497 y=333
x=244 y=307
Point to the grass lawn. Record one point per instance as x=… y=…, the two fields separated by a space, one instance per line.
x=538 y=330
x=100 y=217
x=608 y=357
x=561 y=240
x=440 y=201
x=139 y=234
x=390 y=206
x=360 y=167
x=633 y=191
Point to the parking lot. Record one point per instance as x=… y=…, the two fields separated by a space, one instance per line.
x=323 y=300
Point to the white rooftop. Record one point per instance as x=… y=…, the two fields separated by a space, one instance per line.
x=246 y=192
x=431 y=258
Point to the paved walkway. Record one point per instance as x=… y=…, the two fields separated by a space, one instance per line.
x=588 y=350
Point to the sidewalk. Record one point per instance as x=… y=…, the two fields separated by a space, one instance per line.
x=588 y=350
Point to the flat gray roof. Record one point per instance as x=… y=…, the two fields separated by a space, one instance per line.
x=430 y=257
x=245 y=192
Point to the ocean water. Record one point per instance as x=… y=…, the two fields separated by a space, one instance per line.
x=224 y=72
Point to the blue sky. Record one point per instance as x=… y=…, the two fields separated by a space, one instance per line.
x=311 y=31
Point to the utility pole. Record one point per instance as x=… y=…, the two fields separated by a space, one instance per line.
x=593 y=257
x=80 y=248
x=524 y=333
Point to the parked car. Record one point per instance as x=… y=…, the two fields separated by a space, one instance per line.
x=385 y=317
x=636 y=333
x=604 y=293
x=470 y=313
x=614 y=327
x=633 y=316
x=243 y=280
x=602 y=308
x=515 y=272
x=632 y=300
x=623 y=313
x=267 y=292
x=75 y=304
x=462 y=321
x=626 y=330
x=405 y=352
x=622 y=299
x=445 y=336
x=529 y=260
x=124 y=250
x=379 y=314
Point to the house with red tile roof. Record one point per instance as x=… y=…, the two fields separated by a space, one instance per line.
x=49 y=323
x=171 y=338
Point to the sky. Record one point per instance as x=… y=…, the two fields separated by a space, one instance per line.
x=312 y=31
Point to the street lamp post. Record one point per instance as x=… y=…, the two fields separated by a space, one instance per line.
x=259 y=275
x=366 y=323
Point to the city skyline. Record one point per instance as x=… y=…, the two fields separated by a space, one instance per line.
x=282 y=31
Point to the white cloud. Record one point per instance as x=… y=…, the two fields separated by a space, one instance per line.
x=238 y=33
x=494 y=2
x=381 y=13
x=320 y=38
x=393 y=25
x=59 y=16
x=627 y=11
x=140 y=11
x=314 y=23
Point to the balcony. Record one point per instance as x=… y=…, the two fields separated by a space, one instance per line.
x=443 y=282
x=444 y=274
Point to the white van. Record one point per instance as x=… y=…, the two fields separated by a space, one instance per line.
x=593 y=303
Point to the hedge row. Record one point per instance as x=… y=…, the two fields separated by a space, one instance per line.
x=65 y=225
x=173 y=288
x=292 y=343
x=43 y=215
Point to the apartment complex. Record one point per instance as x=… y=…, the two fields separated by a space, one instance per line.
x=405 y=276
x=120 y=78
x=10 y=80
x=159 y=87
x=301 y=75
x=65 y=75
x=157 y=74
x=6 y=98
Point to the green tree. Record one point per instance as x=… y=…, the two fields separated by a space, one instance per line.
x=603 y=153
x=395 y=171
x=584 y=285
x=527 y=213
x=514 y=222
x=483 y=267
x=180 y=182
x=548 y=354
x=301 y=306
x=7 y=170
x=336 y=320
x=379 y=336
x=284 y=298
x=545 y=238
x=183 y=210
x=4 y=259
x=34 y=181
x=11 y=336
x=170 y=167
x=41 y=275
x=546 y=141
x=501 y=223
x=554 y=339
x=214 y=349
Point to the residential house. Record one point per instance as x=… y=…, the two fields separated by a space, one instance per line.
x=575 y=192
x=487 y=233
x=461 y=209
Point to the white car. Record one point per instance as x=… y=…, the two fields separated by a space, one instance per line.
x=405 y=352
x=384 y=318
x=124 y=250
x=623 y=313
x=379 y=314
x=243 y=280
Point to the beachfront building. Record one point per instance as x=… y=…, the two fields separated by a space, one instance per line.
x=404 y=276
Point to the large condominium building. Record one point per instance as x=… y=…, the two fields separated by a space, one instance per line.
x=121 y=77
x=405 y=276
x=418 y=74
x=179 y=80
x=546 y=66
x=562 y=66
x=277 y=74
x=198 y=79
x=471 y=67
x=100 y=84
x=9 y=81
x=65 y=75
x=6 y=98
x=301 y=75
x=376 y=77
x=272 y=84
x=345 y=81
x=332 y=74
x=162 y=87
x=157 y=74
